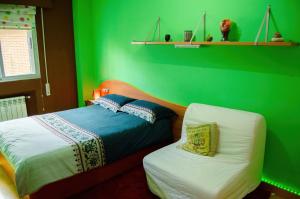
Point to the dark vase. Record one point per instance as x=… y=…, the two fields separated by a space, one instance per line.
x=225 y=35
x=167 y=37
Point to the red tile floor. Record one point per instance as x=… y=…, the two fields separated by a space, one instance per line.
x=133 y=185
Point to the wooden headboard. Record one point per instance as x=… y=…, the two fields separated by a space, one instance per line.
x=122 y=88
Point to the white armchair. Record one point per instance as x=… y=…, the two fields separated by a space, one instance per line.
x=233 y=172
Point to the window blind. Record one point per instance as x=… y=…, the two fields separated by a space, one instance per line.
x=17 y=16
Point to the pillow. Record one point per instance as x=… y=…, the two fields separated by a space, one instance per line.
x=113 y=101
x=202 y=139
x=148 y=111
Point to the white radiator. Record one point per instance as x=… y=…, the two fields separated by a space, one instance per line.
x=12 y=108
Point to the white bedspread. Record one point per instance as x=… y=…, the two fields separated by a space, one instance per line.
x=44 y=149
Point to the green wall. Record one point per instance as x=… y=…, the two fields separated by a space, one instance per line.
x=260 y=79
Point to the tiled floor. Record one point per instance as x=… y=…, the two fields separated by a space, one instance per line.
x=131 y=185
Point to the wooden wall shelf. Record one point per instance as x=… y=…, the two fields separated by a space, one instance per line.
x=217 y=43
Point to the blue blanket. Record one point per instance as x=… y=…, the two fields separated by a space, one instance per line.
x=122 y=134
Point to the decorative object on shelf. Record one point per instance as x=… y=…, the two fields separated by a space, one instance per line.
x=209 y=38
x=218 y=43
x=204 y=25
x=197 y=28
x=225 y=29
x=158 y=28
x=188 y=34
x=265 y=20
x=167 y=37
x=277 y=37
x=155 y=31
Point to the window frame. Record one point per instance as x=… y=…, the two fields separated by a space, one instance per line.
x=34 y=61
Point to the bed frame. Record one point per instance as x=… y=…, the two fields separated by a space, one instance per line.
x=80 y=182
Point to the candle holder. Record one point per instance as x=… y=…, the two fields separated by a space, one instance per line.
x=188 y=34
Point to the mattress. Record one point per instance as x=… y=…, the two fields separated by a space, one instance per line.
x=47 y=148
x=177 y=174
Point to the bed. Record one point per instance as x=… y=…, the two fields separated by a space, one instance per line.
x=71 y=168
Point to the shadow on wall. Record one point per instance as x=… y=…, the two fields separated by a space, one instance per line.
x=235 y=33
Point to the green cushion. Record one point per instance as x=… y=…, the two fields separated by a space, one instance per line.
x=202 y=139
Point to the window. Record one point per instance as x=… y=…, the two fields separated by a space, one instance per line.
x=17 y=55
x=18 y=43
